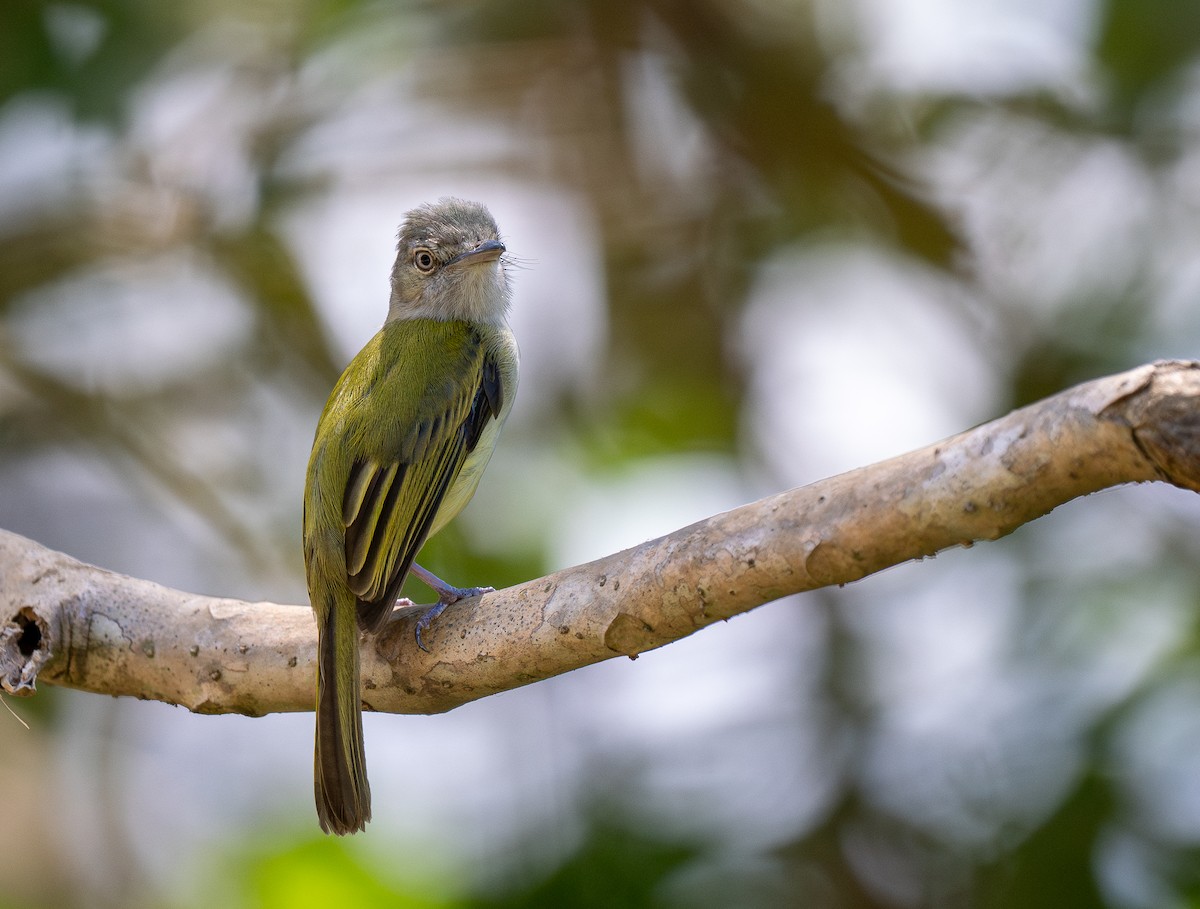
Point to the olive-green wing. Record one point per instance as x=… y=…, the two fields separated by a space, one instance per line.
x=390 y=501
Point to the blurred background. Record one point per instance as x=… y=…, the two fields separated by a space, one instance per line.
x=757 y=242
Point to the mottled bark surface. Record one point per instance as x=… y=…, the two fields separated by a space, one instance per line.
x=67 y=623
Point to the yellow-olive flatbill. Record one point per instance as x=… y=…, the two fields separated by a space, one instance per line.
x=399 y=450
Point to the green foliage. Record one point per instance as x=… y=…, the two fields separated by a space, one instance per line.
x=614 y=867
x=1054 y=867
x=316 y=874
x=1145 y=45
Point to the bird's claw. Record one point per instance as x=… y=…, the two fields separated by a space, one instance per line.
x=465 y=593
x=426 y=617
x=448 y=596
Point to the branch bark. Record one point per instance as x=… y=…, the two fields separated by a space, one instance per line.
x=72 y=624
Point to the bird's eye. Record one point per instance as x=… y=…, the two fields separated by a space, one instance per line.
x=424 y=260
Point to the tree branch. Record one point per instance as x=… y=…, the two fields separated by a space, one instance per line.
x=75 y=625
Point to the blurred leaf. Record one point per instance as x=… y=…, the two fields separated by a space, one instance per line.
x=762 y=92
x=39 y=253
x=91 y=52
x=29 y=59
x=818 y=862
x=262 y=265
x=665 y=416
x=1090 y=338
x=322 y=873
x=1143 y=44
x=615 y=867
x=1054 y=868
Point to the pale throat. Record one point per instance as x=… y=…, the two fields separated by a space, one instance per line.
x=479 y=293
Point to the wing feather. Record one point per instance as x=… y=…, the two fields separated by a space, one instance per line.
x=367 y=535
x=362 y=474
x=492 y=389
x=418 y=532
x=389 y=508
x=362 y=522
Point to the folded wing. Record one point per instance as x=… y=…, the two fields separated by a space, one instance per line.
x=390 y=502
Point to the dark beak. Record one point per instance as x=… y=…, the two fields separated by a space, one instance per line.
x=487 y=251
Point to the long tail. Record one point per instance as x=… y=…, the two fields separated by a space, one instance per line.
x=343 y=794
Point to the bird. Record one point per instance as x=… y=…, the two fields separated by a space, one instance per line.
x=398 y=452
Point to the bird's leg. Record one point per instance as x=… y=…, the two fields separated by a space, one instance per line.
x=447 y=594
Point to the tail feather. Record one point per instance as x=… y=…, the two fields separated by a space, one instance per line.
x=342 y=792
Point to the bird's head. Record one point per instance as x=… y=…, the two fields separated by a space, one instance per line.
x=449 y=265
